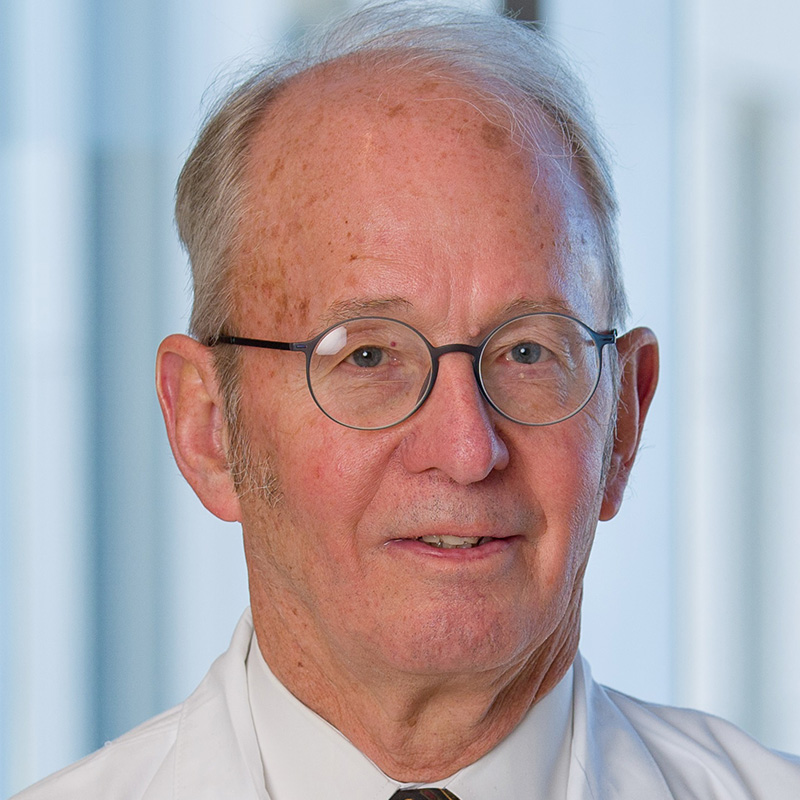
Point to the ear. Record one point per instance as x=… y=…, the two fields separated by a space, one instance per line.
x=638 y=362
x=191 y=402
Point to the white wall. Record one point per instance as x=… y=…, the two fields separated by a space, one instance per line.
x=43 y=400
x=739 y=438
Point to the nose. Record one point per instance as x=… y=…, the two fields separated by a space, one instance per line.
x=453 y=431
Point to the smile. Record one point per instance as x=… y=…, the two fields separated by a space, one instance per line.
x=447 y=541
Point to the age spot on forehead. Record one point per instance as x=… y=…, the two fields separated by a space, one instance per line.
x=429 y=85
x=276 y=169
x=259 y=288
x=494 y=136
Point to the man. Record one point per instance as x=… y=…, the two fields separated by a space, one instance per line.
x=406 y=385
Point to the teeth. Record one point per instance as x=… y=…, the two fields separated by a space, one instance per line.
x=446 y=541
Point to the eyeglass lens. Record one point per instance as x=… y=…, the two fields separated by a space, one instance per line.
x=372 y=373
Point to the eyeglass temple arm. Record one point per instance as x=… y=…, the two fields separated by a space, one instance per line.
x=243 y=341
x=606 y=338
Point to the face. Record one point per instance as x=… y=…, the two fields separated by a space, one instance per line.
x=409 y=203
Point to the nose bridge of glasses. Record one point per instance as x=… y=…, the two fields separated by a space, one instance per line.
x=474 y=351
x=471 y=350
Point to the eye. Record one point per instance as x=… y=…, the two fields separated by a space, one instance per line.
x=366 y=356
x=527 y=353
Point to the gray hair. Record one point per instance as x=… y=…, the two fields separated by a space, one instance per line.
x=515 y=68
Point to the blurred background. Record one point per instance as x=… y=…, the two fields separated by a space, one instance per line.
x=117 y=589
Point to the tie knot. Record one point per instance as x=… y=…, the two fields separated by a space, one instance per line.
x=423 y=794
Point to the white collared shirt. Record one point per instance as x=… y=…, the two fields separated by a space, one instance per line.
x=306 y=757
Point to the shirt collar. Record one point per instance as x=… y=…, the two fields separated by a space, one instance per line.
x=305 y=756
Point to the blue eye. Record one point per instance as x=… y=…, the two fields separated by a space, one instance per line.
x=526 y=353
x=367 y=357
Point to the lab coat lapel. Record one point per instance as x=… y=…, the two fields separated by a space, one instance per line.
x=216 y=750
x=609 y=760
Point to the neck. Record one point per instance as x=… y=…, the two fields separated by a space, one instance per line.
x=416 y=727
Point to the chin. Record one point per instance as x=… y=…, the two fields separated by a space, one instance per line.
x=462 y=641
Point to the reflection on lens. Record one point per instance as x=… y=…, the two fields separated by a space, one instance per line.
x=333 y=341
x=376 y=378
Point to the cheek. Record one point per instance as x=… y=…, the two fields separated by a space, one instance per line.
x=326 y=473
x=308 y=543
x=566 y=472
x=329 y=475
x=568 y=467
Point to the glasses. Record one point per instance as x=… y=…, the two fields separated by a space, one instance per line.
x=371 y=373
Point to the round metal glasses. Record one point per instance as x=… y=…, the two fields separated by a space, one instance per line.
x=371 y=373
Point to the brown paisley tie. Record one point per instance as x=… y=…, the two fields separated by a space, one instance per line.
x=423 y=794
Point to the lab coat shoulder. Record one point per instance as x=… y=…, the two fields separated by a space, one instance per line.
x=203 y=749
x=124 y=769
x=672 y=752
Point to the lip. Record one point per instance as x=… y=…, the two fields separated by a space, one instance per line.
x=466 y=530
x=497 y=546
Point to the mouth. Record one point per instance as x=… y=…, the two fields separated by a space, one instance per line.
x=448 y=542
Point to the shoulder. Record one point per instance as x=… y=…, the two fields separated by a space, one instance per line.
x=121 y=770
x=204 y=747
x=697 y=754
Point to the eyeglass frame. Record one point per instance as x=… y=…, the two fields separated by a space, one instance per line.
x=600 y=339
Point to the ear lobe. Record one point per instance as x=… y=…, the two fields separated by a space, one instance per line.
x=193 y=413
x=638 y=360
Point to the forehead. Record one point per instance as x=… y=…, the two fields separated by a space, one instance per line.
x=365 y=187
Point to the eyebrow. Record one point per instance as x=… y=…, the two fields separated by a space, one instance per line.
x=525 y=305
x=348 y=309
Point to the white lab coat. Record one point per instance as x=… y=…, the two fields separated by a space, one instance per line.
x=622 y=749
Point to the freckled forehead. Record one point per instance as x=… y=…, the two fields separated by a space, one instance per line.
x=351 y=112
x=346 y=139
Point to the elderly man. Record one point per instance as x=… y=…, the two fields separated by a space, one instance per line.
x=405 y=383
